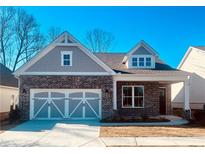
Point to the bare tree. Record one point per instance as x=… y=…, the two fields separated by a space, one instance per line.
x=6 y=33
x=99 y=40
x=20 y=37
x=53 y=33
x=28 y=40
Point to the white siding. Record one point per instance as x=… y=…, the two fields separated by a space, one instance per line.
x=194 y=63
x=6 y=97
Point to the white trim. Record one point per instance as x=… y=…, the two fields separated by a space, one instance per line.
x=148 y=77
x=66 y=105
x=46 y=50
x=187 y=94
x=66 y=39
x=133 y=106
x=67 y=44
x=70 y=53
x=114 y=95
x=185 y=57
x=31 y=104
x=67 y=73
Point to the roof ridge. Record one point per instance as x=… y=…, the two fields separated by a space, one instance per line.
x=110 y=53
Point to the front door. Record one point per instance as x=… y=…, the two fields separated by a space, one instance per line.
x=162 y=101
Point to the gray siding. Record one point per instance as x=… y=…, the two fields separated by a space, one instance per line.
x=141 y=51
x=52 y=62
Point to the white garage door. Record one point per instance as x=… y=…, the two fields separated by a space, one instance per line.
x=65 y=104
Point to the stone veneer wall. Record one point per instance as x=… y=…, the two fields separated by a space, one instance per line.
x=151 y=99
x=62 y=82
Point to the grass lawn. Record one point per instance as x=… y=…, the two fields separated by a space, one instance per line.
x=152 y=131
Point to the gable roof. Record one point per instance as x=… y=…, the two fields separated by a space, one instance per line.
x=6 y=77
x=143 y=44
x=201 y=48
x=114 y=61
x=58 y=42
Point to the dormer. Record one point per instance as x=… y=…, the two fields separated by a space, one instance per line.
x=142 y=56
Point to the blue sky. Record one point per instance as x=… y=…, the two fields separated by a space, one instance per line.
x=169 y=30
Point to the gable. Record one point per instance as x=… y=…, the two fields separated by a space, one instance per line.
x=142 y=48
x=141 y=51
x=52 y=62
x=194 y=61
x=48 y=61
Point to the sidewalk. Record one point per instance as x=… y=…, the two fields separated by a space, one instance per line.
x=153 y=141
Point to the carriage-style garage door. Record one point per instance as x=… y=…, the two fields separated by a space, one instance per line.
x=65 y=104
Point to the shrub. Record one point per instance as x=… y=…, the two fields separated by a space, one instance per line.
x=199 y=115
x=14 y=115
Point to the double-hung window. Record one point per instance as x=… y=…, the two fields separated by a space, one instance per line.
x=133 y=96
x=148 y=61
x=66 y=58
x=135 y=61
x=141 y=61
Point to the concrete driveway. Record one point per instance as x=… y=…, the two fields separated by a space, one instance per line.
x=81 y=134
x=53 y=133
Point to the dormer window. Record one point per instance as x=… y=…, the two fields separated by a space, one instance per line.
x=134 y=62
x=148 y=61
x=66 y=58
x=142 y=56
x=142 y=61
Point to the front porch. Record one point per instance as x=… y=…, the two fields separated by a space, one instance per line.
x=148 y=94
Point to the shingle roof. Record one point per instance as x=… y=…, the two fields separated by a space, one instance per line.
x=200 y=47
x=6 y=77
x=114 y=60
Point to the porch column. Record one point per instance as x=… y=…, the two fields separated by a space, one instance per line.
x=187 y=111
x=114 y=95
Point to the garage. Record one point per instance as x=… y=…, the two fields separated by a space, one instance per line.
x=81 y=104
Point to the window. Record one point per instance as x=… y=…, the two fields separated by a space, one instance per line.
x=141 y=61
x=148 y=61
x=138 y=96
x=133 y=97
x=134 y=62
x=127 y=96
x=66 y=58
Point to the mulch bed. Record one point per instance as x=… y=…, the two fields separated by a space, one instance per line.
x=193 y=129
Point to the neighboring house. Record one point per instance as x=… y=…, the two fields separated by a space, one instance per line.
x=193 y=62
x=67 y=81
x=8 y=91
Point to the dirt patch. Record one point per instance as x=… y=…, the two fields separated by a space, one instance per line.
x=151 y=131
